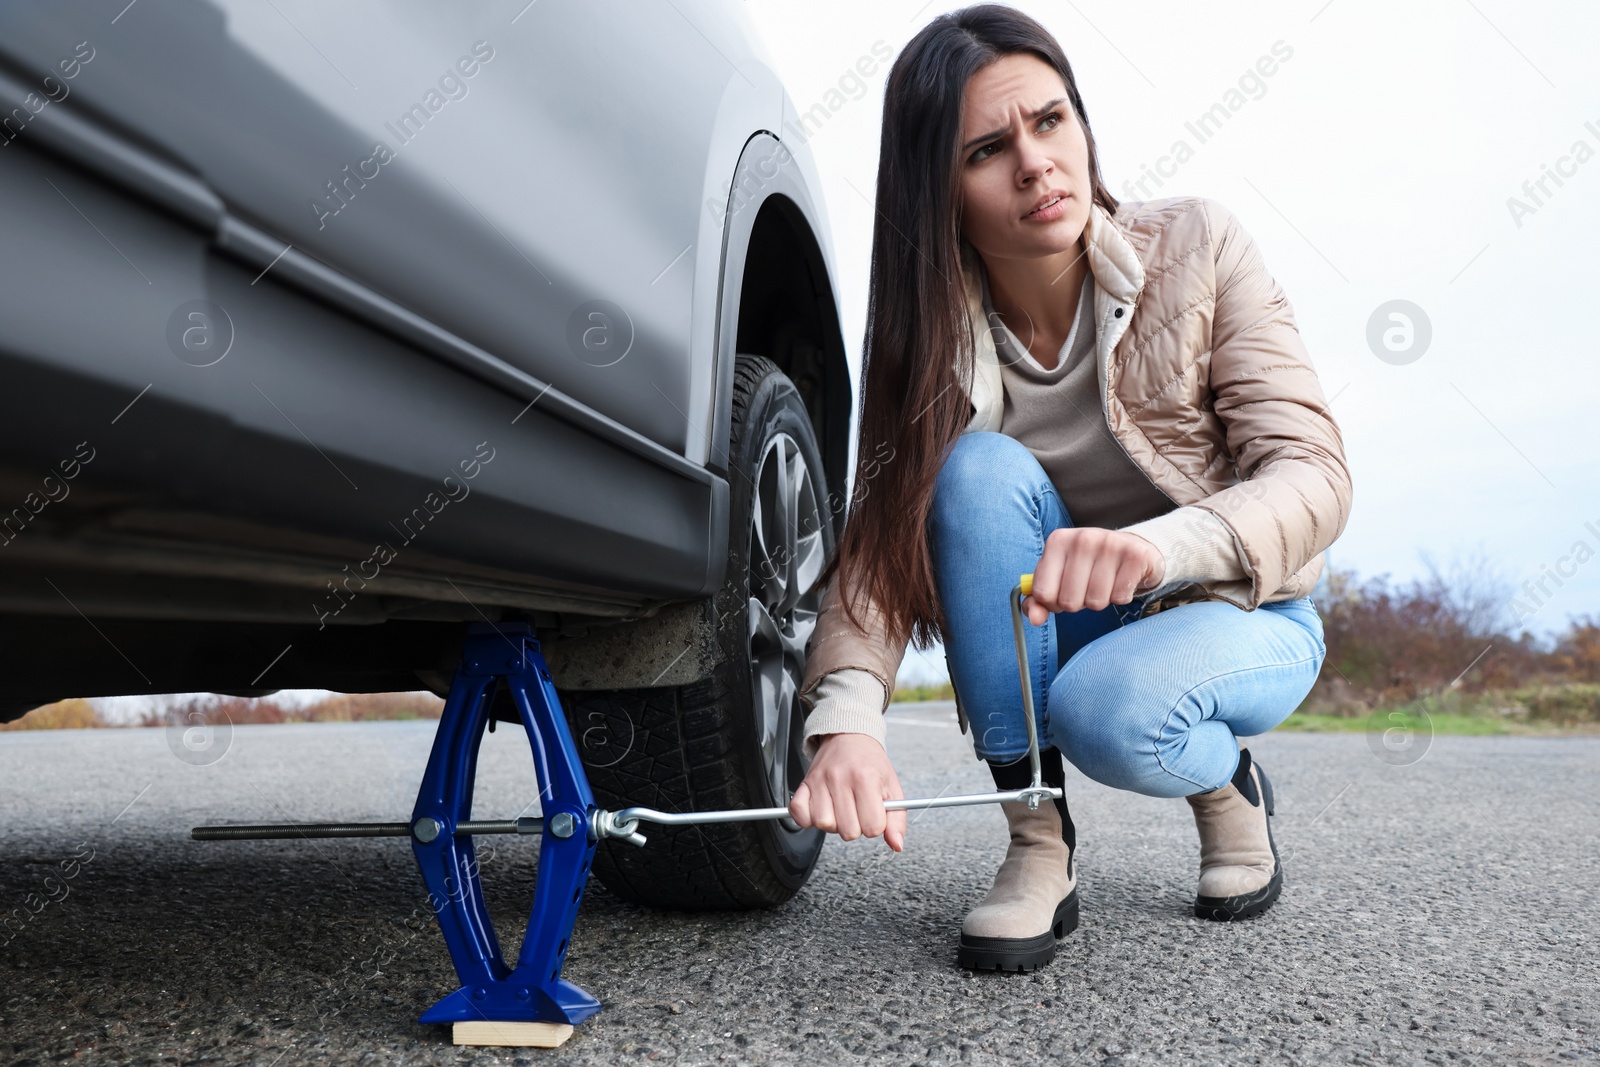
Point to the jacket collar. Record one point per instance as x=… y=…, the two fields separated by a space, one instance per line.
x=1119 y=279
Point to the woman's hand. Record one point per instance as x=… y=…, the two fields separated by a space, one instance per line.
x=1088 y=567
x=845 y=789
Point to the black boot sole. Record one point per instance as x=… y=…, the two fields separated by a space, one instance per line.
x=1247 y=905
x=1019 y=954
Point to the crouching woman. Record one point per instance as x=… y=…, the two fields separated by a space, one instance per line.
x=1113 y=396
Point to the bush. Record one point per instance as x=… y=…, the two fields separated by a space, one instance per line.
x=1565 y=705
x=1577 y=652
x=1392 y=646
x=370 y=707
x=74 y=714
x=346 y=707
x=214 y=708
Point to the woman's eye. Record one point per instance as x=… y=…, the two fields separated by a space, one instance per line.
x=1055 y=119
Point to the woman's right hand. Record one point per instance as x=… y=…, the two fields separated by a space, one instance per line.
x=845 y=788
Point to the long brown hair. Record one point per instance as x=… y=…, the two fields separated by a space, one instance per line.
x=912 y=405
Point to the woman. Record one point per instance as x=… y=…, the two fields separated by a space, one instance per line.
x=1112 y=396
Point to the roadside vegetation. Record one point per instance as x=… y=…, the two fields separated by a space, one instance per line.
x=211 y=708
x=1445 y=647
x=1448 y=647
x=1442 y=649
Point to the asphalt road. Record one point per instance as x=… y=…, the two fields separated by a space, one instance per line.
x=1440 y=906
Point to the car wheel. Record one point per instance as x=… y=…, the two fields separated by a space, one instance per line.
x=734 y=739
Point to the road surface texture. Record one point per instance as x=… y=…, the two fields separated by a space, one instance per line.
x=1440 y=907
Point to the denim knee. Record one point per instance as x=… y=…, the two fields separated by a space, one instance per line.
x=984 y=469
x=1084 y=724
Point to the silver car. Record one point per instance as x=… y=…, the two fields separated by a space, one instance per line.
x=326 y=329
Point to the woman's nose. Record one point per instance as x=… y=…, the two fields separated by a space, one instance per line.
x=1032 y=161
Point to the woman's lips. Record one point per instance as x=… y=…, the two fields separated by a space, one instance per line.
x=1049 y=211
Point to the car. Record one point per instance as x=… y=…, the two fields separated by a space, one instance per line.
x=326 y=330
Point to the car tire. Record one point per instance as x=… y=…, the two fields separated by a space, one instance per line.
x=732 y=740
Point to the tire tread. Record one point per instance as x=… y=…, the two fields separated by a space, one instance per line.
x=681 y=756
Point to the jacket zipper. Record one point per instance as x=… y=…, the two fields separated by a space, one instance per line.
x=1105 y=413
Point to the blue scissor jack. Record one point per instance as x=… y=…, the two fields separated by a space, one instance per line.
x=531 y=1004
x=497 y=1004
x=491 y=990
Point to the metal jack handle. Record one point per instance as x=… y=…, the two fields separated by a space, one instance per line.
x=1024 y=587
x=624 y=824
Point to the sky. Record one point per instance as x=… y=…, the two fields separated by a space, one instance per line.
x=1385 y=159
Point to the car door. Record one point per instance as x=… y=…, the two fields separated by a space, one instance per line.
x=527 y=176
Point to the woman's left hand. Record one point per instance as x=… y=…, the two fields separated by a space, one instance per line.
x=1089 y=567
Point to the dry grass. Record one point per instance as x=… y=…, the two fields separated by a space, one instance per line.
x=74 y=714
x=77 y=713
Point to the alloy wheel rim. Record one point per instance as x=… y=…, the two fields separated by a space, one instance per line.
x=786 y=556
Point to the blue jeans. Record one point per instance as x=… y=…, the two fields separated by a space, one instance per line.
x=1151 y=704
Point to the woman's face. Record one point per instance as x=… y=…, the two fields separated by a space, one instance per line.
x=1021 y=143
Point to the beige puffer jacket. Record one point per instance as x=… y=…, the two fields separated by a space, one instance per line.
x=1206 y=383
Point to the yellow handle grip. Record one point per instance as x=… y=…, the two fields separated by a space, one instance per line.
x=1026 y=581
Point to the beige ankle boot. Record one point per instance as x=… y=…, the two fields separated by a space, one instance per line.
x=1240 y=875
x=1034 y=898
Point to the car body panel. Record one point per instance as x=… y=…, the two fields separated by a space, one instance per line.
x=386 y=322
x=521 y=194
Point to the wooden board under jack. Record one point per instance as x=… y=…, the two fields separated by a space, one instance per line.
x=524 y=1035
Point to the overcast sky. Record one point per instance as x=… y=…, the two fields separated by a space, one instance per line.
x=1375 y=164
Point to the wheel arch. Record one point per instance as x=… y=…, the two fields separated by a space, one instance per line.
x=779 y=300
